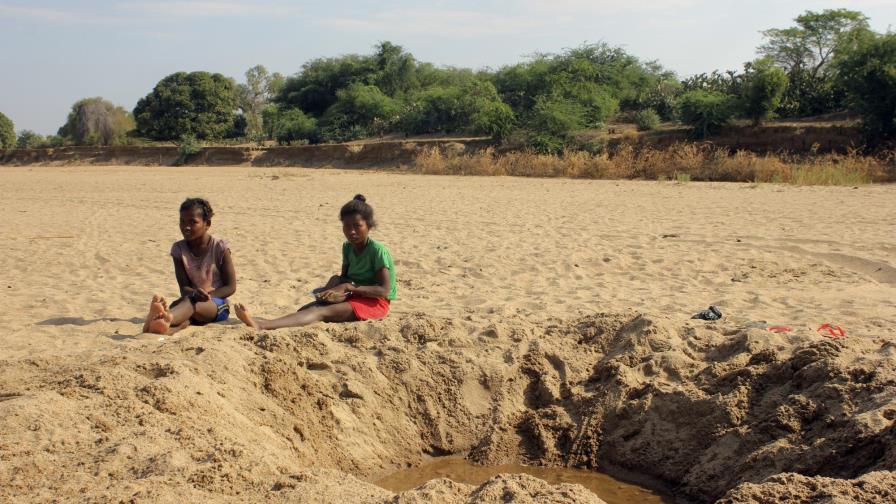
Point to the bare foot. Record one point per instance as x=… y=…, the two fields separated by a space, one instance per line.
x=160 y=324
x=243 y=314
x=157 y=307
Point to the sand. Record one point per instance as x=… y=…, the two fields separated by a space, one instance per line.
x=538 y=321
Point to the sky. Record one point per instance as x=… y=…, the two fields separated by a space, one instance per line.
x=53 y=53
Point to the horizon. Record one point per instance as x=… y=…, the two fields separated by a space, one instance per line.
x=120 y=50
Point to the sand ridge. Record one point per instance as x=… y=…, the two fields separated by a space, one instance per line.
x=538 y=321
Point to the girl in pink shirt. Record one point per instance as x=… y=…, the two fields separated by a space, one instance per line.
x=204 y=271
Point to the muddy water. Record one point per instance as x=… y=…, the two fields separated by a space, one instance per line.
x=458 y=469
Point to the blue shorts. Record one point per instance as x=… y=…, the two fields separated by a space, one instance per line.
x=223 y=313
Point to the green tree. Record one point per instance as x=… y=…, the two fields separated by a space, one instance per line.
x=647 y=120
x=95 y=121
x=7 y=133
x=868 y=73
x=807 y=50
x=196 y=103
x=473 y=107
x=314 y=88
x=292 y=126
x=557 y=116
x=258 y=91
x=705 y=111
x=764 y=89
x=394 y=70
x=30 y=140
x=365 y=107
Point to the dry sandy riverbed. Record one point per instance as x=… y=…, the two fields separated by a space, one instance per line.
x=542 y=321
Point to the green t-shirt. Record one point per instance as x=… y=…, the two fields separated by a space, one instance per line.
x=362 y=268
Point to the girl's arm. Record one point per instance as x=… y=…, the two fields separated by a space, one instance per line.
x=183 y=281
x=228 y=276
x=376 y=291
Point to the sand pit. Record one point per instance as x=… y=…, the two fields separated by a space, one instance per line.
x=542 y=322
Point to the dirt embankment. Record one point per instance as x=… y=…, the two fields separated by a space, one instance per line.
x=795 y=139
x=379 y=154
x=771 y=138
x=708 y=410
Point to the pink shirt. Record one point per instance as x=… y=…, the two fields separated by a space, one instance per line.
x=204 y=272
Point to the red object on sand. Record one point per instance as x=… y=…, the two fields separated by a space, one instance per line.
x=832 y=331
x=779 y=329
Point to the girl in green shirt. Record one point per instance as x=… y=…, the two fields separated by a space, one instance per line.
x=363 y=290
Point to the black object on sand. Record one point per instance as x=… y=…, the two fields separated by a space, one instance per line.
x=712 y=313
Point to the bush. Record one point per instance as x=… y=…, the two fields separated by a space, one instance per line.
x=30 y=140
x=7 y=133
x=200 y=104
x=293 y=126
x=557 y=116
x=186 y=147
x=868 y=74
x=704 y=111
x=472 y=107
x=764 y=90
x=359 y=111
x=95 y=121
x=647 y=120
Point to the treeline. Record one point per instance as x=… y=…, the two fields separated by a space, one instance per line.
x=828 y=61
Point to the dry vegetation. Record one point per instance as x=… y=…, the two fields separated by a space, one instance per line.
x=681 y=161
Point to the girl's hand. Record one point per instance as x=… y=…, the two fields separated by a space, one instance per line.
x=335 y=295
x=199 y=296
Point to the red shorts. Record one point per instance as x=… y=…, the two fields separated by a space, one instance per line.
x=367 y=308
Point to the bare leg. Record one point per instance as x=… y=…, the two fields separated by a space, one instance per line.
x=178 y=316
x=339 y=312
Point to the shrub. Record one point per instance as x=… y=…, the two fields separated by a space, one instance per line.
x=292 y=126
x=471 y=107
x=95 y=121
x=647 y=120
x=359 y=111
x=186 y=147
x=868 y=74
x=7 y=133
x=764 y=90
x=557 y=116
x=704 y=111
x=29 y=140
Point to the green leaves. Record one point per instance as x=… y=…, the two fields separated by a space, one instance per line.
x=7 y=133
x=196 y=103
x=868 y=73
x=705 y=111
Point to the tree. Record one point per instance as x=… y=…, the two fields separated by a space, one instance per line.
x=394 y=69
x=704 y=111
x=95 y=121
x=764 y=89
x=7 y=133
x=259 y=89
x=196 y=103
x=29 y=140
x=868 y=73
x=364 y=106
x=313 y=89
x=806 y=52
x=292 y=125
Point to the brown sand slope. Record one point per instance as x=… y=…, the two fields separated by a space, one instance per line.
x=539 y=321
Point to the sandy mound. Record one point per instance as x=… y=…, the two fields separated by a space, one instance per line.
x=228 y=414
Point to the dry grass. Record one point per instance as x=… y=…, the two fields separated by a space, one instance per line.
x=682 y=162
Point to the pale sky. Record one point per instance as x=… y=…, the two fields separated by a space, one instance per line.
x=53 y=53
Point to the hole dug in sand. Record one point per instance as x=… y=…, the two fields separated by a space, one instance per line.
x=708 y=411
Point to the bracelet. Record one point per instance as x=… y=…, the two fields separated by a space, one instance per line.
x=192 y=298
